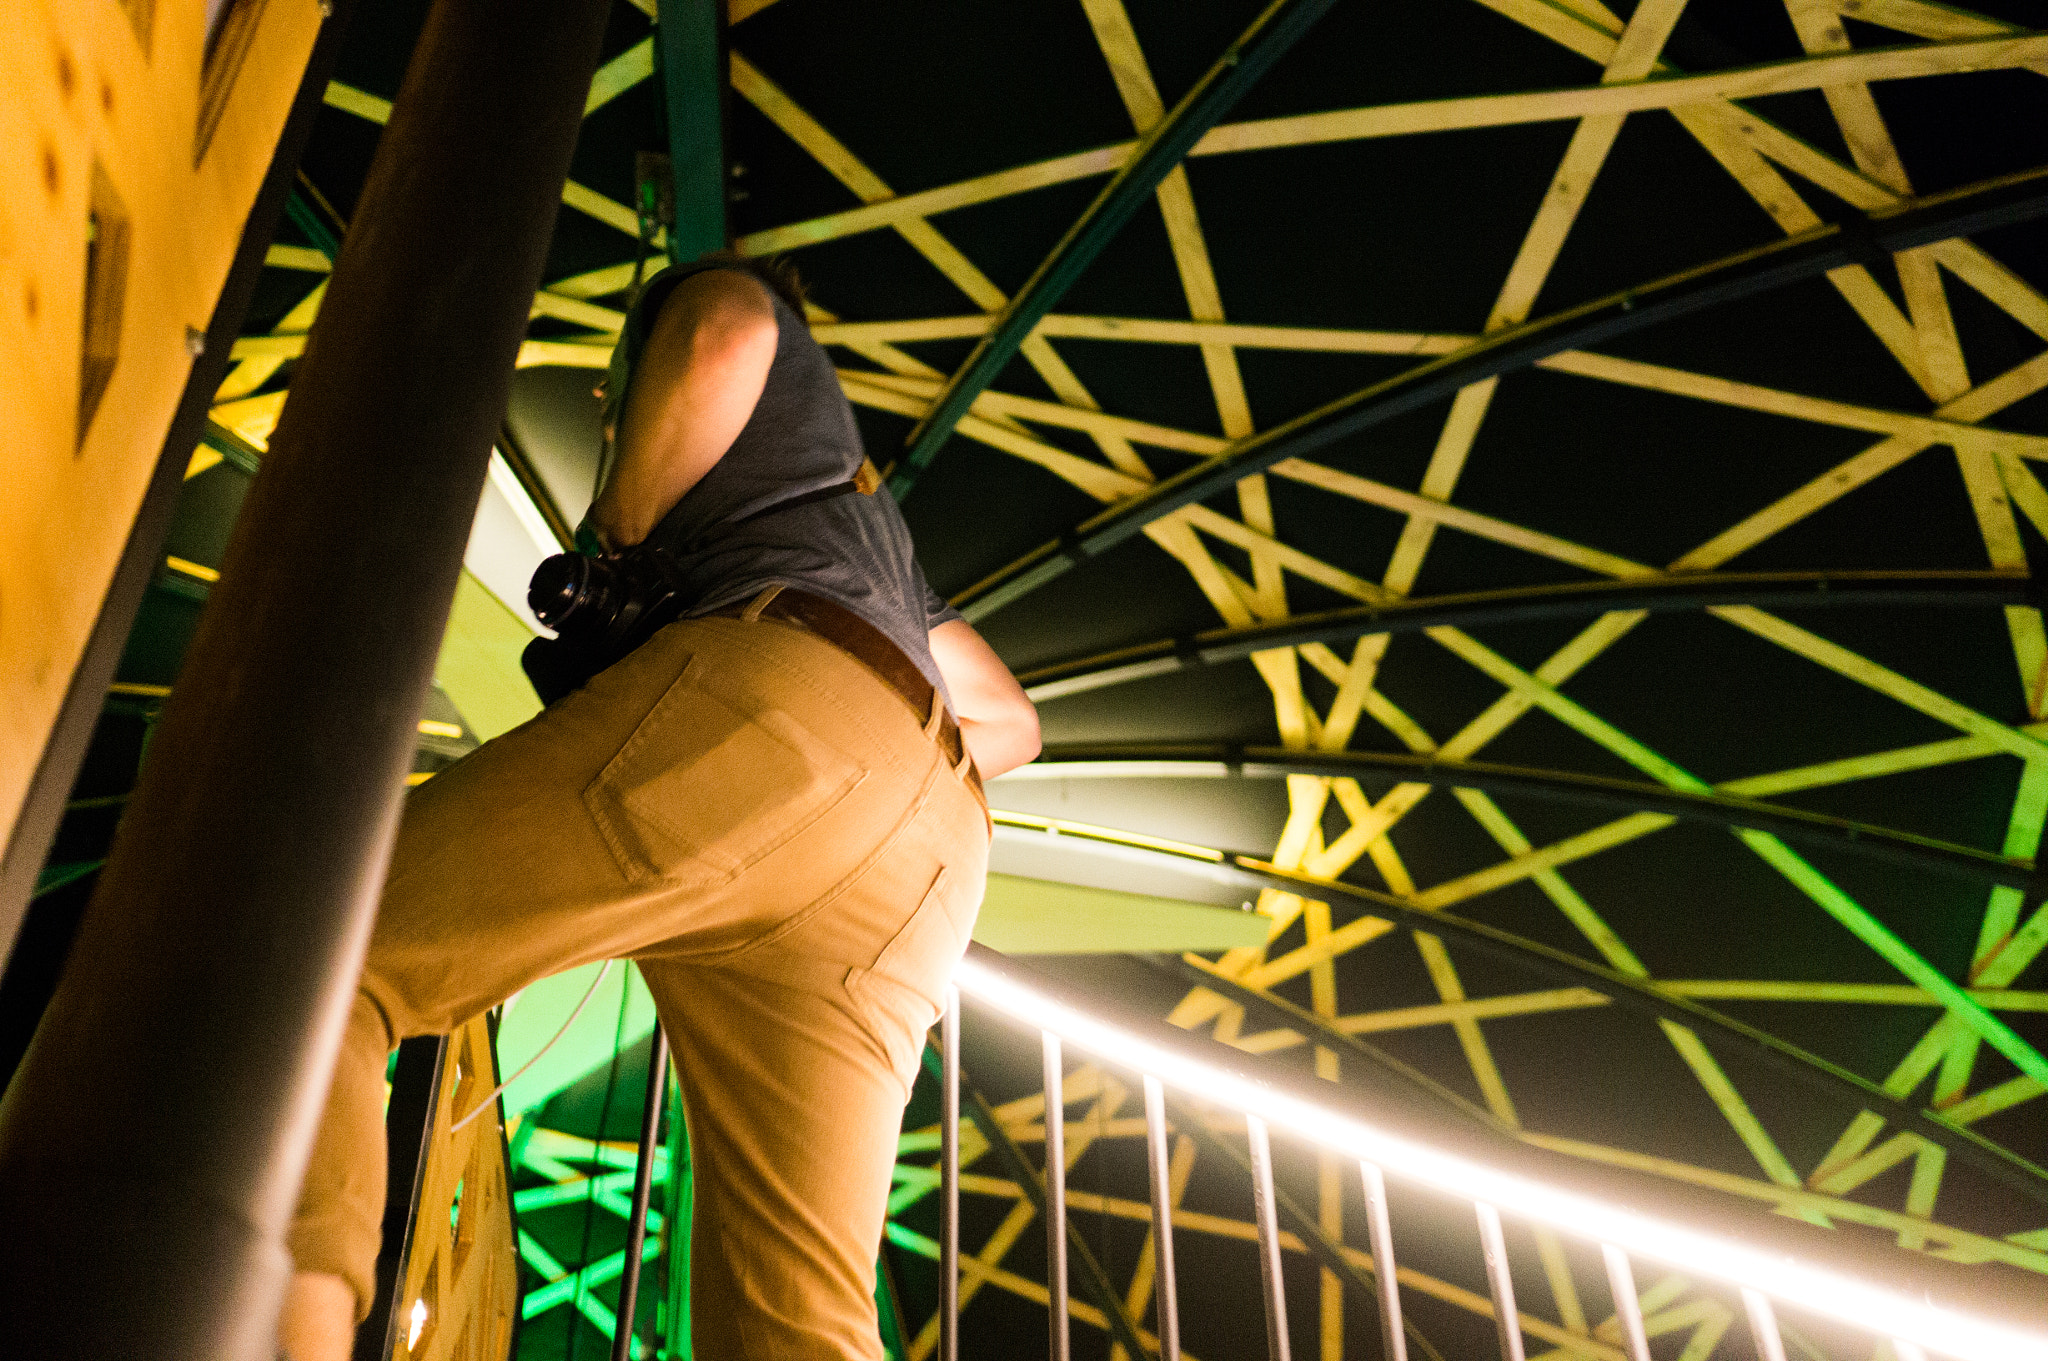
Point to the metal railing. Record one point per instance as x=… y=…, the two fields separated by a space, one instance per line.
x=1826 y=1279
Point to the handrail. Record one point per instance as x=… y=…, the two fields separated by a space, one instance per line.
x=1640 y=996
x=1768 y=1259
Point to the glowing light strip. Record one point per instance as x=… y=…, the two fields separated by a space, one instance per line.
x=1867 y=1307
x=1061 y=827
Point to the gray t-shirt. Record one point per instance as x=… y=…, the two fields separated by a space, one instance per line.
x=729 y=536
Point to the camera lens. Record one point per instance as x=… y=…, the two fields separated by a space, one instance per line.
x=561 y=585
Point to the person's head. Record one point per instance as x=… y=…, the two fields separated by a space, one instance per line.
x=778 y=272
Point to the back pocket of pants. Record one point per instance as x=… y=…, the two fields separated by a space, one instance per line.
x=709 y=784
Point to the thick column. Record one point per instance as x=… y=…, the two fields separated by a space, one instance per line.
x=152 y=1144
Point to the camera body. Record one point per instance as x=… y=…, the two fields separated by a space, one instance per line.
x=601 y=609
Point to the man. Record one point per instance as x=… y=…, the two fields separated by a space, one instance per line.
x=773 y=806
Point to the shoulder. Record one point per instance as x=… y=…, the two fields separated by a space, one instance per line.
x=722 y=298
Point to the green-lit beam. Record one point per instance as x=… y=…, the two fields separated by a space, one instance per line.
x=578 y=1284
x=681 y=1202
x=693 y=79
x=599 y=1315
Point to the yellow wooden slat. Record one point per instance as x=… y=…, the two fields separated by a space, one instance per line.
x=297 y=257
x=619 y=75
x=1885 y=681
x=754 y=86
x=1658 y=92
x=1939 y=22
x=1456 y=517
x=1478 y=1009
x=1434 y=116
x=1820 y=410
x=563 y=308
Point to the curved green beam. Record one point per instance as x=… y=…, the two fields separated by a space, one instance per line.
x=1552 y=786
x=1524 y=604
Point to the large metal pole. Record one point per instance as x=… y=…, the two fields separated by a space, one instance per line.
x=152 y=1144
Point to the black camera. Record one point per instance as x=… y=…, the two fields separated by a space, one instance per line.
x=601 y=608
x=610 y=605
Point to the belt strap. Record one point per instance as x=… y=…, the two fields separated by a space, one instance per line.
x=868 y=645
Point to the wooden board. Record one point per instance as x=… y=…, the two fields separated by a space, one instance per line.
x=131 y=162
x=461 y=1279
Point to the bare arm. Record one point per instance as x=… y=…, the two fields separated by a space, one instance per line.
x=997 y=721
x=705 y=365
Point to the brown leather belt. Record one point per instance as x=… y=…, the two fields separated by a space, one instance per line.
x=868 y=645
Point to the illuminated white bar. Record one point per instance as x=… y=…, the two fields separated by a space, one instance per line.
x=1628 y=1305
x=1271 y=1280
x=1164 y=1301
x=949 y=1179
x=1763 y=1325
x=1861 y=1304
x=1379 y=1229
x=1055 y=1198
x=1507 y=1319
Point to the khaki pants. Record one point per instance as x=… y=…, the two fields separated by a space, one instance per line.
x=775 y=837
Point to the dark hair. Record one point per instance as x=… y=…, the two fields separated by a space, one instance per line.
x=776 y=271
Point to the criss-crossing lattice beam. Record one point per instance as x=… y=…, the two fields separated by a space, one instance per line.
x=1156 y=154
x=2009 y=199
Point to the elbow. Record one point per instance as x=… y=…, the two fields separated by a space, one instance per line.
x=1030 y=743
x=1001 y=742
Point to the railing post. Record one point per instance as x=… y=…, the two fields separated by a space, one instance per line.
x=643 y=1191
x=1763 y=1325
x=1379 y=1230
x=1272 y=1281
x=1628 y=1306
x=153 y=1143
x=949 y=1178
x=1505 y=1315
x=1056 y=1197
x=1164 y=1301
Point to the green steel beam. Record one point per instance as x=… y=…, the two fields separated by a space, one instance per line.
x=889 y=1312
x=692 y=61
x=1569 y=788
x=53 y=877
x=580 y=1283
x=1527 y=604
